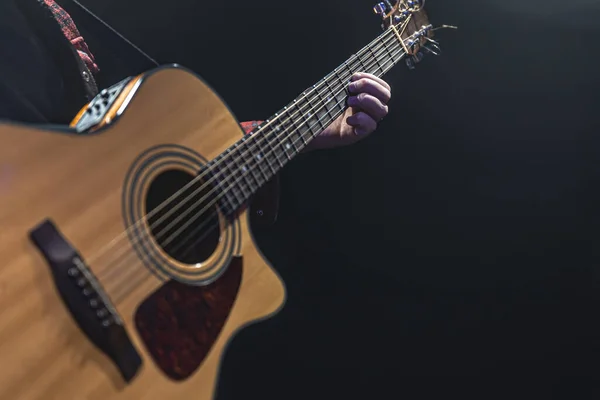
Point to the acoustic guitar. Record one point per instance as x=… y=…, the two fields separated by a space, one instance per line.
x=127 y=259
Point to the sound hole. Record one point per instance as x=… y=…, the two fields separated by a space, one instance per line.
x=186 y=227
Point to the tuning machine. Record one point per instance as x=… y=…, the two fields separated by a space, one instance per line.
x=420 y=45
x=424 y=50
x=383 y=9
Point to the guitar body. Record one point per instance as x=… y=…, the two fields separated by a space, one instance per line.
x=179 y=316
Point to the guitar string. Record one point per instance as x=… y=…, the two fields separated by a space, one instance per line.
x=120 y=295
x=199 y=202
x=261 y=139
x=370 y=64
x=123 y=235
x=182 y=229
x=201 y=226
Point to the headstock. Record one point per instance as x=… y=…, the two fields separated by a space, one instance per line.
x=410 y=23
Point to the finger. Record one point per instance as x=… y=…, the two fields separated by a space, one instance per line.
x=369 y=104
x=362 y=123
x=371 y=87
x=360 y=75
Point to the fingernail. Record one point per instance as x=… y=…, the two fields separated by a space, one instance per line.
x=356 y=76
x=358 y=132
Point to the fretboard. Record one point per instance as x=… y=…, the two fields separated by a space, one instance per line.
x=253 y=160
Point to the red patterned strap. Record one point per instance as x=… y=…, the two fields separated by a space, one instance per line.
x=72 y=33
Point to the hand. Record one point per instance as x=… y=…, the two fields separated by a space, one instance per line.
x=368 y=100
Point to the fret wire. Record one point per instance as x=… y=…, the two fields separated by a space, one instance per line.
x=349 y=69
x=249 y=172
x=285 y=144
x=391 y=55
x=306 y=117
x=280 y=141
x=240 y=169
x=260 y=158
x=340 y=80
x=374 y=56
x=234 y=190
x=323 y=105
x=256 y=167
x=386 y=55
x=238 y=174
x=230 y=191
x=331 y=96
x=297 y=130
x=329 y=113
x=314 y=114
x=270 y=151
x=300 y=134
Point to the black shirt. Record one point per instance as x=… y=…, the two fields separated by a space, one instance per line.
x=41 y=75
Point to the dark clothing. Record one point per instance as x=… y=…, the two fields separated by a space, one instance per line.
x=46 y=70
x=43 y=77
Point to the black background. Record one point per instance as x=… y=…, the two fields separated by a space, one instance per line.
x=457 y=242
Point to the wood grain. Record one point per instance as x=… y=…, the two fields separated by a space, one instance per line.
x=77 y=181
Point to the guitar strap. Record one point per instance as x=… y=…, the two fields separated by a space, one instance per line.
x=100 y=28
x=116 y=55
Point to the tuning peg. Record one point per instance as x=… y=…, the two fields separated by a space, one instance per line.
x=430 y=49
x=383 y=8
x=380 y=9
x=434 y=42
x=414 y=4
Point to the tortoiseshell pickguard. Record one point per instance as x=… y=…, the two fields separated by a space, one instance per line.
x=179 y=323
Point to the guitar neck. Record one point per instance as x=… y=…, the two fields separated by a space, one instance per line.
x=257 y=157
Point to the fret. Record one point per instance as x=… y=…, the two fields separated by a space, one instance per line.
x=391 y=55
x=248 y=168
x=374 y=56
x=322 y=111
x=256 y=158
x=255 y=166
x=272 y=151
x=300 y=140
x=262 y=162
x=297 y=135
x=241 y=177
x=310 y=126
x=318 y=109
x=284 y=136
x=361 y=64
x=313 y=117
x=340 y=81
x=338 y=99
x=284 y=143
x=265 y=139
x=331 y=100
x=224 y=175
x=238 y=176
x=350 y=71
